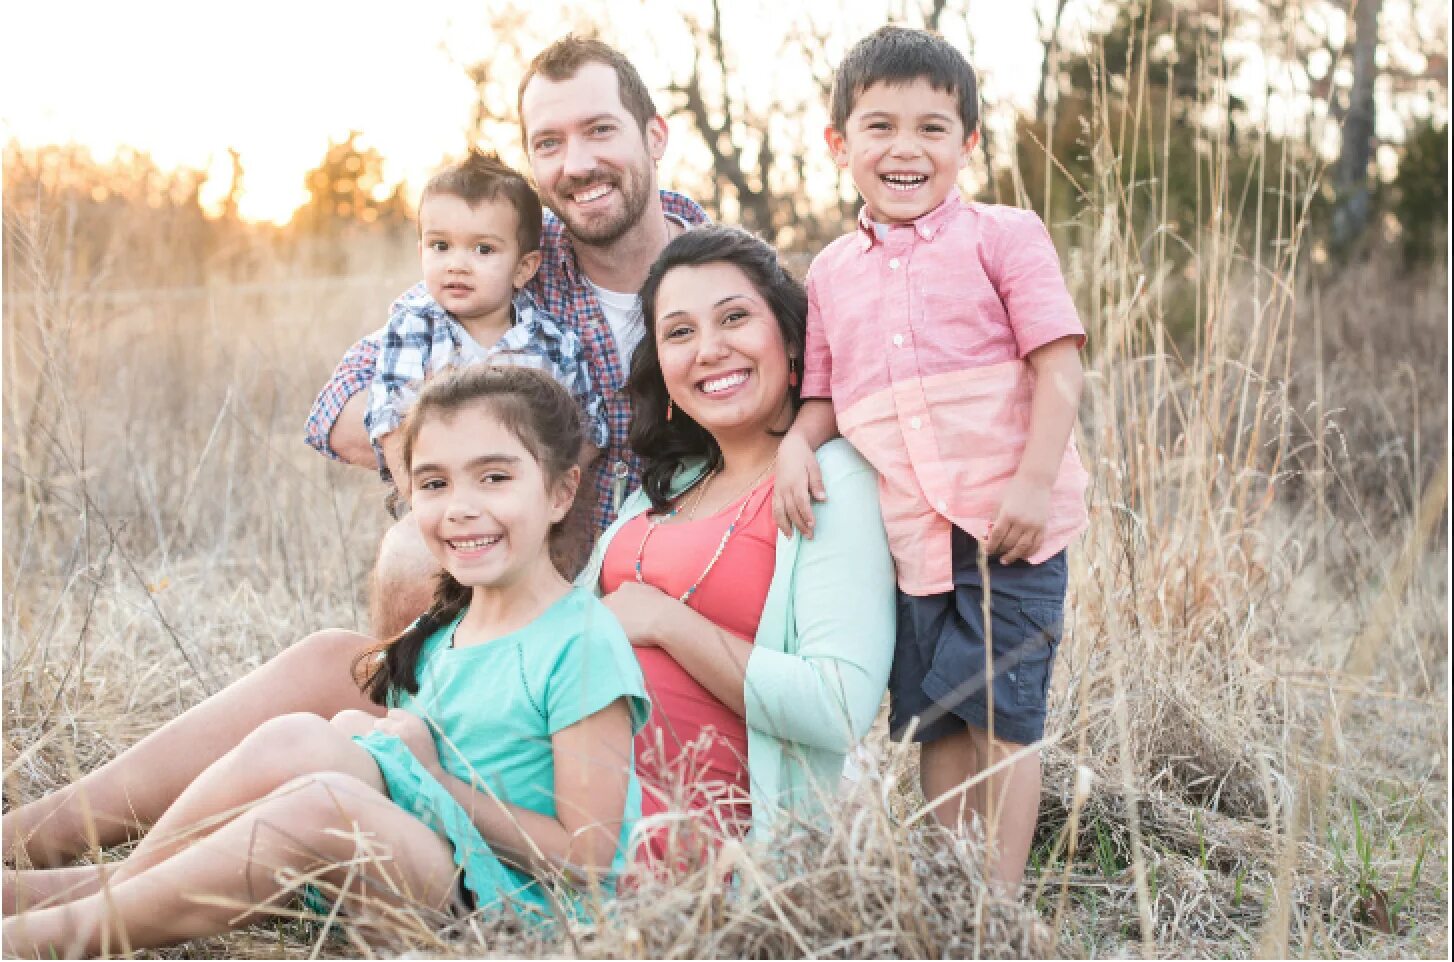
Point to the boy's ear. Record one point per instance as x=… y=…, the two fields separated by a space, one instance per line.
x=526 y=269
x=837 y=145
x=970 y=142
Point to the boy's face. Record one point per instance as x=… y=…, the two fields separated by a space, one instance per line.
x=471 y=255
x=904 y=145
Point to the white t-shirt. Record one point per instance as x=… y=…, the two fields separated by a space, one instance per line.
x=623 y=313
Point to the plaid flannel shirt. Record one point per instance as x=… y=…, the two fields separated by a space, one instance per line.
x=353 y=374
x=422 y=339
x=560 y=289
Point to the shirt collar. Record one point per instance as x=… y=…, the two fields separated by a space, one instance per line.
x=927 y=226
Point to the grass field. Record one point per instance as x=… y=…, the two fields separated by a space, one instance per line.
x=1248 y=748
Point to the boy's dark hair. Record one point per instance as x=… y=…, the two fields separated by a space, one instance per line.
x=537 y=410
x=664 y=446
x=566 y=56
x=484 y=176
x=901 y=55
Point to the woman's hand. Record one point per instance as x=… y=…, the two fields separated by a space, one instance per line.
x=644 y=611
x=416 y=735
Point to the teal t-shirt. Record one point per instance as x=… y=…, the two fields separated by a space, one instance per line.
x=494 y=708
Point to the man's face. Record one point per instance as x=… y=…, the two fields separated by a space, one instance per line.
x=594 y=166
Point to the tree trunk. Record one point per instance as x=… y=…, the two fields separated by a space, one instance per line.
x=1355 y=203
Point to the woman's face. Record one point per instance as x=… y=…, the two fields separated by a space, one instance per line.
x=722 y=352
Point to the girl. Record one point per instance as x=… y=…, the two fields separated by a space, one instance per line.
x=513 y=702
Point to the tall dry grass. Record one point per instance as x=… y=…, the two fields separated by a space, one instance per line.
x=1247 y=748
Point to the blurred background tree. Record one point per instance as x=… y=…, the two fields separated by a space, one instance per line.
x=348 y=187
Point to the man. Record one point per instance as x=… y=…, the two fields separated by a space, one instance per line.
x=593 y=137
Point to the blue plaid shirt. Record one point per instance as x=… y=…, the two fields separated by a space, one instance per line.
x=560 y=289
x=422 y=339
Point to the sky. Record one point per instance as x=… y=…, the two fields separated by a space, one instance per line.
x=186 y=79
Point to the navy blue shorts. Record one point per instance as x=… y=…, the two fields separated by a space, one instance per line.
x=939 y=669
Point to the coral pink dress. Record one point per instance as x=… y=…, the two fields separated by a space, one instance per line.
x=692 y=755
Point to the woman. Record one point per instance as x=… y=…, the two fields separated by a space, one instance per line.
x=766 y=656
x=766 y=674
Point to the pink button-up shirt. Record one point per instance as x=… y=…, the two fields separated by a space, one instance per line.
x=919 y=334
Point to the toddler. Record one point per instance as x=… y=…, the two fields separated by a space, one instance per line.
x=479 y=244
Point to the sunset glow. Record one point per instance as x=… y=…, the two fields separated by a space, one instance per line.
x=276 y=80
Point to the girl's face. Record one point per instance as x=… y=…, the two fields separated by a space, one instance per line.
x=481 y=500
x=722 y=352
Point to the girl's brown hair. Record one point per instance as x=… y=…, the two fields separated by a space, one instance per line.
x=538 y=411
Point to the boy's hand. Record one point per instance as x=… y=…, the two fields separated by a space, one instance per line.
x=1019 y=528
x=799 y=483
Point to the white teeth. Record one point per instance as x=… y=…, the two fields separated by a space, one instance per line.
x=724 y=382
x=474 y=544
x=904 y=181
x=595 y=192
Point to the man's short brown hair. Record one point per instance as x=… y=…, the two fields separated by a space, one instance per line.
x=564 y=58
x=483 y=176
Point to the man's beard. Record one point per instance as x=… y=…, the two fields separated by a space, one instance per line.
x=603 y=231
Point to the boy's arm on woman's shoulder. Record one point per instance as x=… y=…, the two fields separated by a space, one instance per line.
x=828 y=692
x=335 y=425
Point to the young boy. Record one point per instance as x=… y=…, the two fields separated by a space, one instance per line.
x=943 y=337
x=479 y=244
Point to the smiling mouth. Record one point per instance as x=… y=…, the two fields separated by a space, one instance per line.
x=725 y=382
x=473 y=544
x=591 y=193
x=904 y=182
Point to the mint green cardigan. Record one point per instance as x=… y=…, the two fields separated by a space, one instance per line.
x=820 y=662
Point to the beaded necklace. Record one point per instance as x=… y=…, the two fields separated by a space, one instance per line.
x=654 y=523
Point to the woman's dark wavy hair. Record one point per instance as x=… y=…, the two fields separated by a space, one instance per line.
x=664 y=446
x=532 y=406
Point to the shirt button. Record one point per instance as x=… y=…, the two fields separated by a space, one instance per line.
x=898 y=340
x=914 y=423
x=941 y=507
x=894 y=264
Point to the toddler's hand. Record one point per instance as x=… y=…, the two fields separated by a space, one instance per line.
x=1019 y=528
x=799 y=483
x=415 y=733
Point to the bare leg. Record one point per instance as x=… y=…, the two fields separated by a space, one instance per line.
x=135 y=788
x=278 y=752
x=317 y=821
x=36 y=888
x=401 y=587
x=1011 y=799
x=945 y=764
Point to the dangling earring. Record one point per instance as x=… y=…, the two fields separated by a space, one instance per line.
x=668 y=409
x=792 y=372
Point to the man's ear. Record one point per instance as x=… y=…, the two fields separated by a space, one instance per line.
x=837 y=146
x=526 y=269
x=656 y=134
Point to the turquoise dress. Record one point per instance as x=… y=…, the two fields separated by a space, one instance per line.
x=494 y=708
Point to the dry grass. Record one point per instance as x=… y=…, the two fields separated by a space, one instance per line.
x=1248 y=735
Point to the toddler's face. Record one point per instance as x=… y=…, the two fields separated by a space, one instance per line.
x=471 y=256
x=904 y=145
